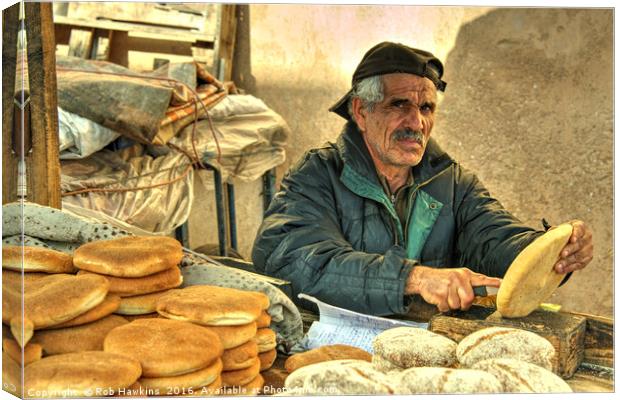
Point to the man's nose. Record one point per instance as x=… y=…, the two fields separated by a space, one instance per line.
x=414 y=119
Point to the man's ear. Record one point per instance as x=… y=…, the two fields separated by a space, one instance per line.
x=359 y=113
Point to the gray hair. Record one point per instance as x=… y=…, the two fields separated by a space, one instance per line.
x=369 y=91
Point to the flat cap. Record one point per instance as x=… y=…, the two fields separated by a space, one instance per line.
x=388 y=58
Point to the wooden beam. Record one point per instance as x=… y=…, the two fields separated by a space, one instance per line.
x=10 y=24
x=228 y=33
x=43 y=164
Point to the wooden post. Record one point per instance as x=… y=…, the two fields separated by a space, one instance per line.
x=10 y=26
x=42 y=163
x=227 y=34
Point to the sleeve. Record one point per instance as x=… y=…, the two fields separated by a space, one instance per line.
x=488 y=237
x=301 y=240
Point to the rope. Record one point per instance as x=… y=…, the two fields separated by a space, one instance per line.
x=119 y=190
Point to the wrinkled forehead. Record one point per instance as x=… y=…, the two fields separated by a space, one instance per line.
x=401 y=84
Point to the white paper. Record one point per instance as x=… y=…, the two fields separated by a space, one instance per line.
x=339 y=326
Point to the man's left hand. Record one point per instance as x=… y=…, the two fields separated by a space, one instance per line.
x=578 y=251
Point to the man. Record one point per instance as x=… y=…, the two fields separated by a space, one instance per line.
x=384 y=213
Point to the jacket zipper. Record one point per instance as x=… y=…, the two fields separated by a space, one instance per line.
x=413 y=193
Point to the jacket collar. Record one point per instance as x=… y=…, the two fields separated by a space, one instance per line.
x=354 y=153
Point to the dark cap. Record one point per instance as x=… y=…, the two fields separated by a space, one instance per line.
x=389 y=58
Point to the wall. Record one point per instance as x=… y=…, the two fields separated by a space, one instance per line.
x=528 y=104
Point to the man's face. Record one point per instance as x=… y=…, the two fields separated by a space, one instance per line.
x=397 y=130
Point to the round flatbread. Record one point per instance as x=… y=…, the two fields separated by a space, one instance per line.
x=266 y=339
x=326 y=353
x=267 y=359
x=130 y=256
x=32 y=352
x=264 y=320
x=108 y=306
x=252 y=388
x=53 y=299
x=240 y=357
x=180 y=383
x=145 y=316
x=11 y=376
x=241 y=377
x=83 y=374
x=84 y=337
x=36 y=259
x=531 y=278
x=140 y=305
x=236 y=335
x=157 y=282
x=212 y=305
x=165 y=347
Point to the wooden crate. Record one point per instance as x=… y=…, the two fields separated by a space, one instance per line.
x=566 y=332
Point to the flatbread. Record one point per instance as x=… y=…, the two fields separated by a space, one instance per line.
x=252 y=388
x=36 y=259
x=124 y=287
x=31 y=352
x=212 y=305
x=130 y=256
x=240 y=357
x=144 y=316
x=82 y=374
x=326 y=353
x=180 y=383
x=264 y=320
x=531 y=278
x=267 y=358
x=141 y=304
x=11 y=376
x=84 y=337
x=108 y=306
x=165 y=347
x=50 y=300
x=241 y=377
x=236 y=335
x=266 y=339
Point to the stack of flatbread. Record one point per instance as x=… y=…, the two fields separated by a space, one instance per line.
x=138 y=269
x=234 y=315
x=52 y=296
x=176 y=357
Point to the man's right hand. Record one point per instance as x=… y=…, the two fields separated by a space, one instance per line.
x=447 y=288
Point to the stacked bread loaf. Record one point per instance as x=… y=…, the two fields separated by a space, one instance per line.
x=138 y=269
x=232 y=315
x=53 y=297
x=176 y=357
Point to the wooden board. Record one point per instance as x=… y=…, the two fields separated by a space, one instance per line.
x=566 y=332
x=599 y=340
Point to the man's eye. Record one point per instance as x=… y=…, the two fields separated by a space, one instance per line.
x=427 y=108
x=399 y=103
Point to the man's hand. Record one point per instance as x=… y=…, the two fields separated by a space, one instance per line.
x=579 y=250
x=447 y=288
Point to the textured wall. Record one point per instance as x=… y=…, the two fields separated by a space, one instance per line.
x=528 y=104
x=529 y=108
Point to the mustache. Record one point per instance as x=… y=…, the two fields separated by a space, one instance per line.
x=409 y=134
